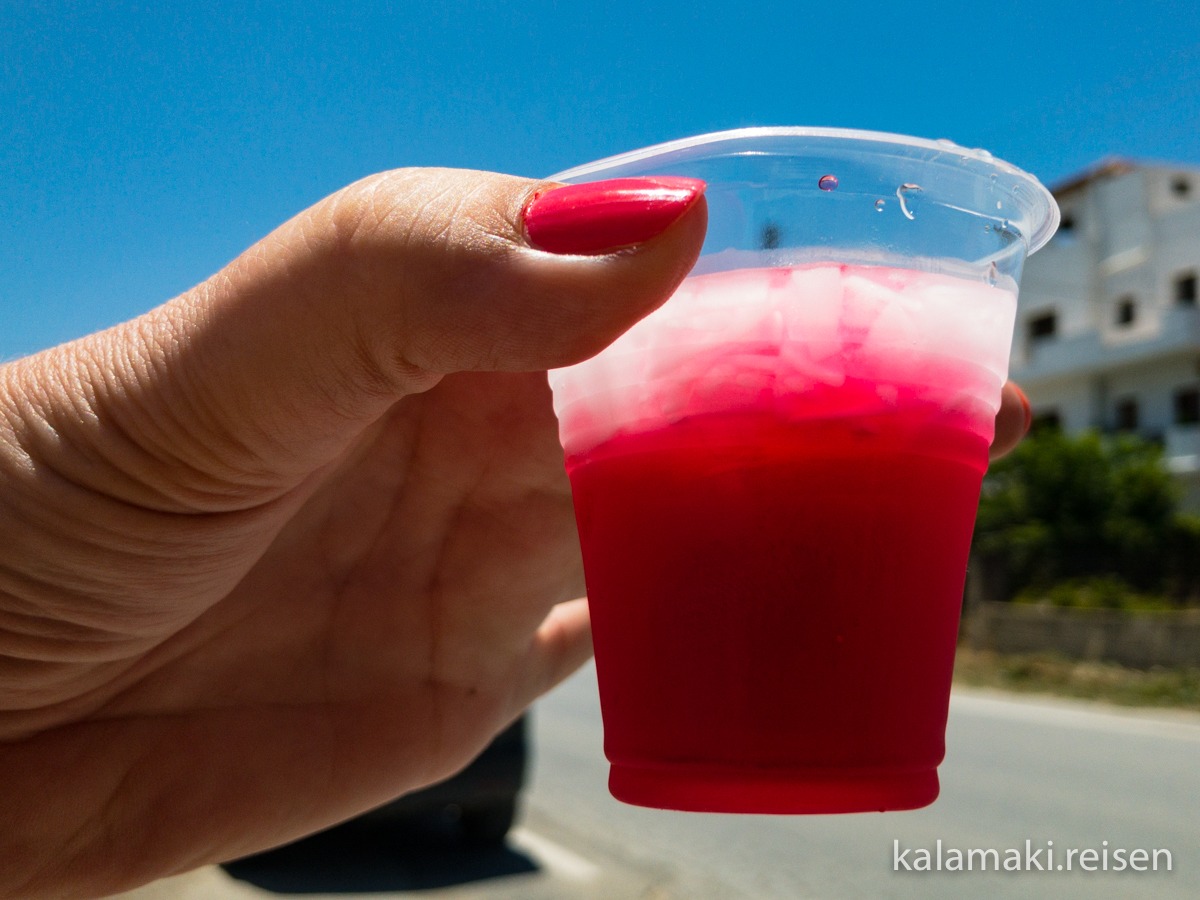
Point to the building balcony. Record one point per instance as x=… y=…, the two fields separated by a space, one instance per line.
x=1090 y=354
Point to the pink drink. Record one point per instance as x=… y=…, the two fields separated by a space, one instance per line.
x=775 y=480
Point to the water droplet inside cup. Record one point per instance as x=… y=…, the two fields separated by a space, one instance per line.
x=907 y=194
x=993 y=275
x=999 y=205
x=828 y=183
x=880 y=204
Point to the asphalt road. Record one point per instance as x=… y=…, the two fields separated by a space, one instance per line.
x=1060 y=775
x=1016 y=770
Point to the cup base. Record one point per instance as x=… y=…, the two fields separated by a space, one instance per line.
x=782 y=792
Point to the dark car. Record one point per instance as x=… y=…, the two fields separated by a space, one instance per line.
x=478 y=805
x=446 y=834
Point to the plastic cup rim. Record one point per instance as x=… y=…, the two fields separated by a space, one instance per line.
x=1046 y=217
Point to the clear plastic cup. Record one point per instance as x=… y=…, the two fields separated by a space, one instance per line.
x=776 y=474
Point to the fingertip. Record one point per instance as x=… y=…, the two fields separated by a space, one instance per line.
x=561 y=645
x=604 y=216
x=1013 y=420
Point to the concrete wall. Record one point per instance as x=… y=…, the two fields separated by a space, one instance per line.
x=1071 y=398
x=1140 y=640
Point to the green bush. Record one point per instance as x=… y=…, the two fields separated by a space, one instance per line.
x=1075 y=509
x=1183 y=565
x=1105 y=592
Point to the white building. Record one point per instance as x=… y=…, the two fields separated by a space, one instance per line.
x=1108 y=323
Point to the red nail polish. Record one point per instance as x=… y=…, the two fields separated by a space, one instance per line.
x=595 y=218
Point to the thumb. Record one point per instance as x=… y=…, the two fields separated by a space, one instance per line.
x=270 y=367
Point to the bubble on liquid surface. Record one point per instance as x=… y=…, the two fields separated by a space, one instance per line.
x=880 y=204
x=828 y=183
x=907 y=194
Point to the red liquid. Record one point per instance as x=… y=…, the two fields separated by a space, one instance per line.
x=775 y=598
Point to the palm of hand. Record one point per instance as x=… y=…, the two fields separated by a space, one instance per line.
x=393 y=623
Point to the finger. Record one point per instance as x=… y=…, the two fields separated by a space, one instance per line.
x=561 y=645
x=268 y=369
x=1012 y=421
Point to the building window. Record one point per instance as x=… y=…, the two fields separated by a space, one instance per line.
x=1126 y=414
x=1185 y=288
x=1066 y=228
x=1187 y=406
x=1046 y=420
x=1042 y=326
x=1180 y=186
x=1126 y=311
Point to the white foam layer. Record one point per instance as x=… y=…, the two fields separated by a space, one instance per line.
x=726 y=338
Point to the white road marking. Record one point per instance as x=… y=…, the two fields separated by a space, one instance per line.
x=563 y=862
x=1180 y=726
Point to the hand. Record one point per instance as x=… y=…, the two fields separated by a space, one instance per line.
x=292 y=544
x=300 y=540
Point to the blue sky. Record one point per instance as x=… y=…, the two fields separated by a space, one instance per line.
x=142 y=146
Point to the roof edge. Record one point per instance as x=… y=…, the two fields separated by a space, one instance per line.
x=1113 y=167
x=1107 y=167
